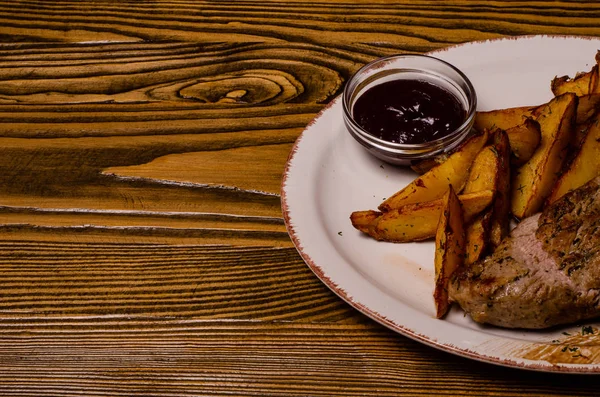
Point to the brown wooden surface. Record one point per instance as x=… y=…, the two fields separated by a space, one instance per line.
x=143 y=251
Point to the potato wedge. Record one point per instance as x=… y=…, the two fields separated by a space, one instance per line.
x=482 y=176
x=449 y=249
x=587 y=107
x=434 y=183
x=500 y=221
x=483 y=172
x=524 y=140
x=417 y=222
x=534 y=180
x=595 y=79
x=422 y=166
x=364 y=220
x=582 y=84
x=584 y=167
x=502 y=118
x=490 y=171
x=477 y=242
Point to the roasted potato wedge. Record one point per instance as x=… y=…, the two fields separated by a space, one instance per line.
x=449 y=249
x=364 y=220
x=524 y=140
x=584 y=167
x=500 y=222
x=422 y=166
x=483 y=172
x=534 y=180
x=502 y=118
x=585 y=86
x=477 y=241
x=434 y=183
x=490 y=171
x=582 y=84
x=416 y=222
x=482 y=176
x=587 y=107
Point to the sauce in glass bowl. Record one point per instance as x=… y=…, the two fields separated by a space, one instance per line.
x=407 y=108
x=408 y=111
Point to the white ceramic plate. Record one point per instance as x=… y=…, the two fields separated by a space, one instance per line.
x=329 y=175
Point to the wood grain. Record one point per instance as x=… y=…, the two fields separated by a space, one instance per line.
x=197 y=146
x=410 y=25
x=142 y=247
x=55 y=281
x=142 y=358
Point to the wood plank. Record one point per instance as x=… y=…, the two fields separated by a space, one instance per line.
x=56 y=281
x=84 y=143
x=258 y=169
x=248 y=358
x=409 y=25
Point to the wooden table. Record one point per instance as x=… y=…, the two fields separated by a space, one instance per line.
x=143 y=247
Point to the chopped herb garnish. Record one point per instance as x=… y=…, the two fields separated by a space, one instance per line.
x=587 y=330
x=339 y=233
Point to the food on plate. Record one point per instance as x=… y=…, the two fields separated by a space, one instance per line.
x=584 y=166
x=477 y=237
x=449 y=249
x=534 y=180
x=434 y=183
x=524 y=140
x=582 y=84
x=415 y=222
x=483 y=171
x=483 y=175
x=522 y=129
x=587 y=107
x=502 y=118
x=537 y=164
x=422 y=166
x=500 y=221
x=547 y=272
x=490 y=171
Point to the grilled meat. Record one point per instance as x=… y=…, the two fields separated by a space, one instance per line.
x=546 y=273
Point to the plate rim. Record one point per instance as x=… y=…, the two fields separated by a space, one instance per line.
x=533 y=365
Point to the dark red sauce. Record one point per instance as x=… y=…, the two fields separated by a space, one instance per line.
x=408 y=111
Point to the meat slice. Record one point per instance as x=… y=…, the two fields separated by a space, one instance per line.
x=546 y=273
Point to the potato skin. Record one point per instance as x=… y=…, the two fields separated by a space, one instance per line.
x=449 y=249
x=524 y=140
x=582 y=84
x=477 y=241
x=502 y=118
x=534 y=180
x=416 y=222
x=434 y=183
x=584 y=167
x=501 y=207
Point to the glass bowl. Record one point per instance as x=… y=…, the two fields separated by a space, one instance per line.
x=416 y=67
